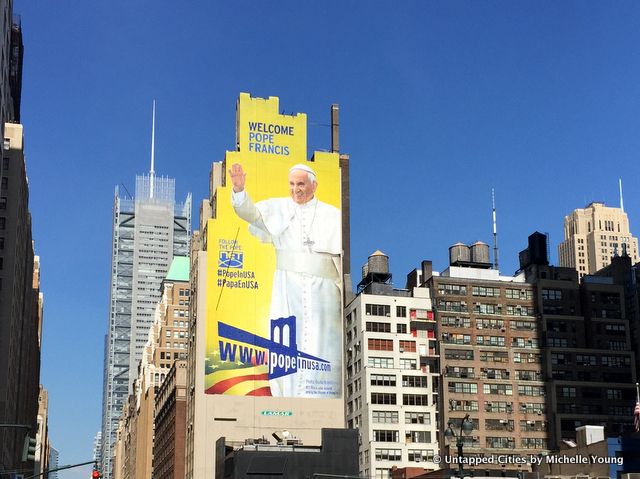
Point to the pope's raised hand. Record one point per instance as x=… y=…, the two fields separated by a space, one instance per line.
x=237 y=175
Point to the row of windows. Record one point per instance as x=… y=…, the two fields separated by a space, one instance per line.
x=392 y=417
x=407 y=399
x=484 y=291
x=388 y=363
x=381 y=435
x=496 y=389
x=414 y=455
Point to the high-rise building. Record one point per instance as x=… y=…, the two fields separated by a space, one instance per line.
x=265 y=337
x=392 y=374
x=624 y=273
x=593 y=235
x=148 y=231
x=54 y=457
x=97 y=447
x=588 y=358
x=20 y=304
x=491 y=359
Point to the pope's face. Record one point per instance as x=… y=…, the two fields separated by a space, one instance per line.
x=301 y=187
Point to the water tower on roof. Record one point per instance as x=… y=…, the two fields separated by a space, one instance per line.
x=474 y=256
x=375 y=270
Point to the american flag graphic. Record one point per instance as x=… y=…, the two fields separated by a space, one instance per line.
x=636 y=416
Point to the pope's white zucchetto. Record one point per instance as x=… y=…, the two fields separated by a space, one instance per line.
x=302 y=167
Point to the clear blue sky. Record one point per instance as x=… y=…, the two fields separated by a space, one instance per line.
x=440 y=102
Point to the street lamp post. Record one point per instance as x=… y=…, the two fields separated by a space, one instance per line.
x=466 y=426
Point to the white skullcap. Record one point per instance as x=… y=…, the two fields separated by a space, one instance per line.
x=302 y=167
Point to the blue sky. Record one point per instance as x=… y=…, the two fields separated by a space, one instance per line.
x=440 y=102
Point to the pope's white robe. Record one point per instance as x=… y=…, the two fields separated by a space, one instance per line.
x=306 y=283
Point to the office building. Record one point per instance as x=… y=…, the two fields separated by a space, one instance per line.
x=624 y=273
x=589 y=366
x=593 y=235
x=392 y=373
x=148 y=231
x=97 y=447
x=170 y=424
x=20 y=304
x=54 y=457
x=491 y=359
x=265 y=388
x=166 y=343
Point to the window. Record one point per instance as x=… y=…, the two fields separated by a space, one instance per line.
x=415 y=399
x=567 y=392
x=552 y=294
x=482 y=291
x=533 y=443
x=501 y=442
x=381 y=362
x=463 y=388
x=408 y=363
x=460 y=405
x=5 y=164
x=456 y=338
x=401 y=311
x=490 y=340
x=383 y=380
x=378 y=327
x=419 y=455
x=401 y=328
x=1 y=243
x=382 y=474
x=5 y=183
x=383 y=398
x=3 y=222
x=615 y=394
x=389 y=417
x=462 y=354
x=417 y=418
x=3 y=203
x=378 y=309
x=408 y=346
x=388 y=454
x=414 y=381
x=531 y=390
x=418 y=436
x=457 y=289
x=500 y=389
x=457 y=322
x=380 y=344
x=381 y=435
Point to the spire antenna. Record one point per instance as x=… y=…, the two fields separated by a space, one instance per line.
x=495 y=230
x=152 y=173
x=621 y=200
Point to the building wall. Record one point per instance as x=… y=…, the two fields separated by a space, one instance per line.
x=20 y=304
x=237 y=418
x=491 y=362
x=170 y=421
x=589 y=363
x=392 y=380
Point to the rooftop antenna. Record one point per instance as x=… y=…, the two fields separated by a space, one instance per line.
x=621 y=200
x=152 y=173
x=495 y=231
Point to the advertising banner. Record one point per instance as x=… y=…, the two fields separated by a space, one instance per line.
x=274 y=280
